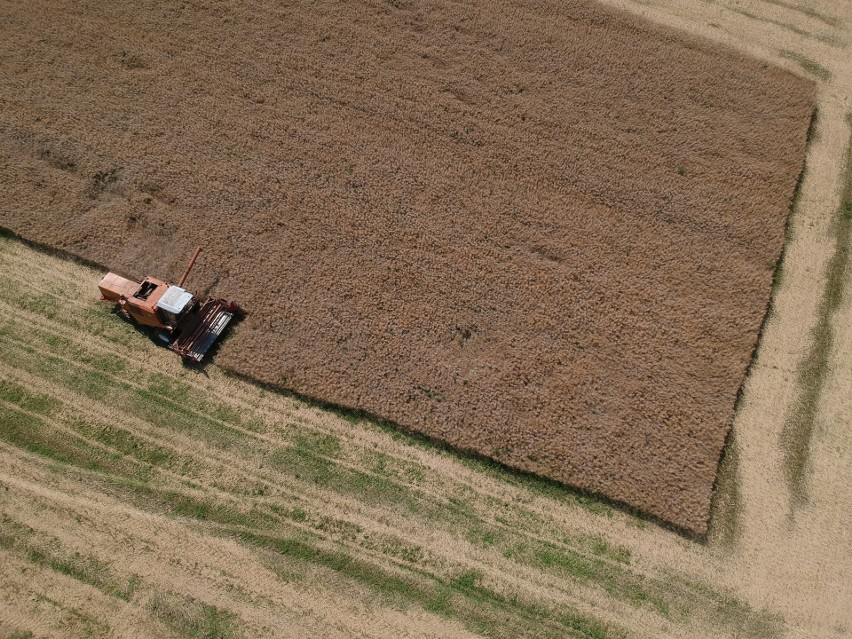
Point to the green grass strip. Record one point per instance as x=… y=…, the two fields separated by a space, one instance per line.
x=45 y=552
x=195 y=619
x=462 y=597
x=812 y=67
x=799 y=428
x=808 y=11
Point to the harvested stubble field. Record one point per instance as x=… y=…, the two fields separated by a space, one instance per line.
x=544 y=232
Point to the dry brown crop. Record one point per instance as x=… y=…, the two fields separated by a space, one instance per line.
x=545 y=232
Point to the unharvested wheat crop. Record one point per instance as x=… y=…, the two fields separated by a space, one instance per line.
x=541 y=231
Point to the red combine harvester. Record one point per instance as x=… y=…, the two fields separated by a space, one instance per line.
x=188 y=325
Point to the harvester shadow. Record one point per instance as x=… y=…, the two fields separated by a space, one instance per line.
x=51 y=250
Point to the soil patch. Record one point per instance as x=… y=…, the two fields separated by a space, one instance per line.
x=543 y=232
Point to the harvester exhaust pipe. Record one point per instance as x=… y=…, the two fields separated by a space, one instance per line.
x=189 y=267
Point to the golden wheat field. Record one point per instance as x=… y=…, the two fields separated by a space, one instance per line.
x=142 y=498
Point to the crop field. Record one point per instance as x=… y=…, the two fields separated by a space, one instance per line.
x=133 y=490
x=141 y=498
x=554 y=251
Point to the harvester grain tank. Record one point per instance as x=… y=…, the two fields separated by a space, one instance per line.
x=189 y=326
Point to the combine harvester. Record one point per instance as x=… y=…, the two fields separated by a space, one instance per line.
x=182 y=321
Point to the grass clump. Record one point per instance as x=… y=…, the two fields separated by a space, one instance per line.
x=195 y=619
x=727 y=500
x=27 y=400
x=723 y=609
x=314 y=456
x=482 y=536
x=129 y=444
x=169 y=388
x=86 y=569
x=811 y=66
x=35 y=436
x=317 y=444
x=602 y=548
x=184 y=505
x=45 y=304
x=585 y=627
x=21 y=539
x=12 y=533
x=615 y=579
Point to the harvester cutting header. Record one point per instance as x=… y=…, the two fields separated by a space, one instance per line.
x=188 y=325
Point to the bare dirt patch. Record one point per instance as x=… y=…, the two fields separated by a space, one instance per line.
x=545 y=233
